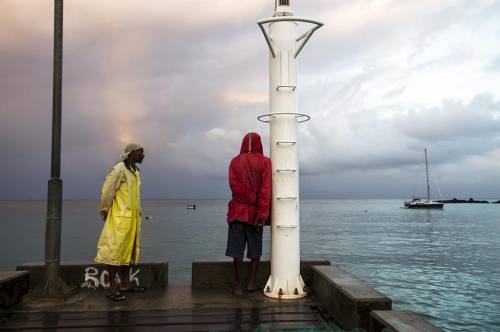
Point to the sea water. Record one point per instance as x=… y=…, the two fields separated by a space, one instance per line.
x=444 y=264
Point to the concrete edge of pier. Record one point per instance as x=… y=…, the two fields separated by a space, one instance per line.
x=354 y=304
x=348 y=299
x=220 y=273
x=13 y=285
x=399 y=320
x=151 y=274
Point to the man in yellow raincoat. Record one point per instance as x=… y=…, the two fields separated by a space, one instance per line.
x=120 y=208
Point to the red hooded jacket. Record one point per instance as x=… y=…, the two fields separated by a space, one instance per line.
x=250 y=182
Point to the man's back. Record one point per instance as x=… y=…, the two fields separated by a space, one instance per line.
x=248 y=210
x=250 y=182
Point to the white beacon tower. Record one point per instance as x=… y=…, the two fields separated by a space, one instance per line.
x=285 y=44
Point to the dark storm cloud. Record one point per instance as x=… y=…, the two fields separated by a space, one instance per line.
x=379 y=79
x=453 y=121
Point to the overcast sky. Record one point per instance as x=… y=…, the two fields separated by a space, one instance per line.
x=382 y=80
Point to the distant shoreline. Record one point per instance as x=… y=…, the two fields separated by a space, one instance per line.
x=469 y=201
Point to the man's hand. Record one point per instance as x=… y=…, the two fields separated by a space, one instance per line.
x=260 y=223
x=104 y=215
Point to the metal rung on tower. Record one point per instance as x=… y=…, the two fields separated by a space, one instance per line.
x=286 y=170
x=286 y=88
x=286 y=198
x=285 y=143
x=286 y=226
x=267 y=117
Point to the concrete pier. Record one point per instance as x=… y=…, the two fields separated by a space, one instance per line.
x=177 y=308
x=336 y=301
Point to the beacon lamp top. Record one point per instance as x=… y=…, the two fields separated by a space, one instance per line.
x=283 y=13
x=282 y=8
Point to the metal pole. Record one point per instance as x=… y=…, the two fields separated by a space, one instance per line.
x=427 y=176
x=52 y=284
x=57 y=89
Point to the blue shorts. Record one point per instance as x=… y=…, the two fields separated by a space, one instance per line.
x=241 y=234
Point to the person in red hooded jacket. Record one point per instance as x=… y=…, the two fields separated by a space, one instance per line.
x=248 y=211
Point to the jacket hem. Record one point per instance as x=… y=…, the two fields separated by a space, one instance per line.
x=112 y=262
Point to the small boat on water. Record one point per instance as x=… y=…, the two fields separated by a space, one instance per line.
x=191 y=206
x=421 y=203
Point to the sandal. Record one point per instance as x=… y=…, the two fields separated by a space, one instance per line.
x=115 y=296
x=134 y=289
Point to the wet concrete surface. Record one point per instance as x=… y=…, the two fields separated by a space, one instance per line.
x=172 y=297
x=177 y=308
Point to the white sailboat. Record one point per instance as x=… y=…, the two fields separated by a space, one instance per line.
x=421 y=203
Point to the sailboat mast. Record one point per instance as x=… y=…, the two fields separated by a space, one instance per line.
x=427 y=175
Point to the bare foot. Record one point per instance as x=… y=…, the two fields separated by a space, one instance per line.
x=252 y=287
x=237 y=291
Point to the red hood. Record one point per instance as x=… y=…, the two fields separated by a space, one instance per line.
x=251 y=143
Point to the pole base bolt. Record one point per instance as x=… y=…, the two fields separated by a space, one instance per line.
x=280 y=293
x=268 y=289
x=296 y=291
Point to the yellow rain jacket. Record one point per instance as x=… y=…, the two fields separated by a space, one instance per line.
x=120 y=199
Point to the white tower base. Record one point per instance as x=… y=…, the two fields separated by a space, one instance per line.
x=294 y=289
